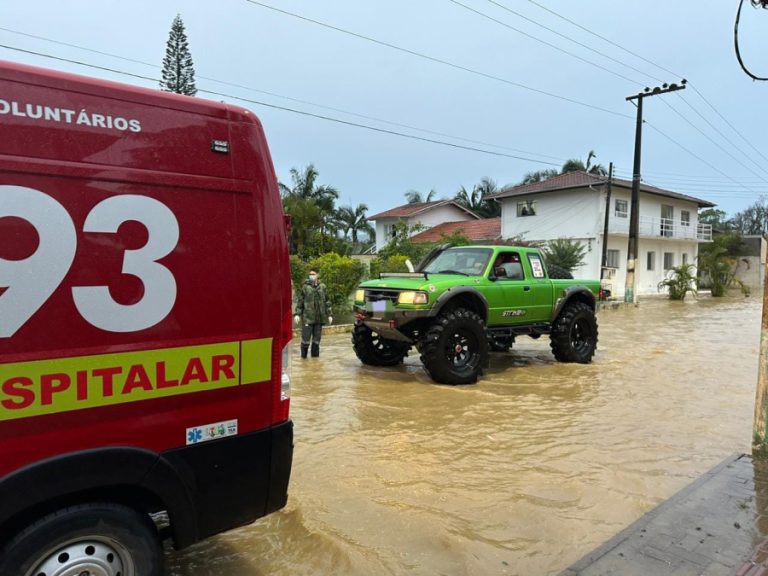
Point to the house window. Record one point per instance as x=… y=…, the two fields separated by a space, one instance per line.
x=651 y=261
x=669 y=260
x=685 y=258
x=389 y=231
x=685 y=218
x=526 y=208
x=612 y=258
x=620 y=208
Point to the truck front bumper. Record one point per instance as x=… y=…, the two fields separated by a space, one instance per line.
x=388 y=323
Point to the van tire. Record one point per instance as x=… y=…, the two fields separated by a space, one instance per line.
x=373 y=350
x=574 y=334
x=119 y=539
x=454 y=349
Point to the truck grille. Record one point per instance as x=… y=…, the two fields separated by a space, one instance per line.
x=376 y=295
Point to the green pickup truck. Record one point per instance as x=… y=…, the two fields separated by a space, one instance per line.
x=463 y=302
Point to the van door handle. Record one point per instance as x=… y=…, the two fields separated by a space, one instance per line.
x=526 y=288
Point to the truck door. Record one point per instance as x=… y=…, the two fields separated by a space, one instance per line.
x=540 y=291
x=510 y=296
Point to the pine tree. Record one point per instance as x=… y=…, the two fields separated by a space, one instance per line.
x=178 y=71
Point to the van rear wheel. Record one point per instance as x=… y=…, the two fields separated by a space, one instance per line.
x=98 y=539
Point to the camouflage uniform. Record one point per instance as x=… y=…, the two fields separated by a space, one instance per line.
x=314 y=308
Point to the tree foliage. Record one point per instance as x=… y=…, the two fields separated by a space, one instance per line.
x=477 y=199
x=178 y=69
x=312 y=211
x=341 y=275
x=752 y=220
x=565 y=253
x=719 y=263
x=416 y=197
x=352 y=221
x=401 y=243
x=570 y=165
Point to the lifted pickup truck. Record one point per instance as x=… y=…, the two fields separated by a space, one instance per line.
x=463 y=302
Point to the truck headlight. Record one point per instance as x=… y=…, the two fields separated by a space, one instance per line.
x=411 y=297
x=359 y=295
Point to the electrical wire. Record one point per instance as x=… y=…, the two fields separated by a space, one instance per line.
x=727 y=152
x=532 y=37
x=439 y=60
x=691 y=84
x=290 y=98
x=736 y=39
x=286 y=109
x=566 y=37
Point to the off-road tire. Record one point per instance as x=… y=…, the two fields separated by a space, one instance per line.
x=574 y=334
x=374 y=350
x=558 y=272
x=454 y=349
x=116 y=538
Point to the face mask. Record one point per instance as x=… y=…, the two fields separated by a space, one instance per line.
x=312 y=277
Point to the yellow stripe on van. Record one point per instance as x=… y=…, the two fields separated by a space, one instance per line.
x=67 y=384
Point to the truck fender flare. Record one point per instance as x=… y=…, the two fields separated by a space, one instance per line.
x=579 y=293
x=98 y=471
x=451 y=293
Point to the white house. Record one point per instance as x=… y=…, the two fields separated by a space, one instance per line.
x=428 y=214
x=573 y=205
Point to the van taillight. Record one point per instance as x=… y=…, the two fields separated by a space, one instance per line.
x=282 y=393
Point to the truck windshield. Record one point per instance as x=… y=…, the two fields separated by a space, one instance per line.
x=462 y=261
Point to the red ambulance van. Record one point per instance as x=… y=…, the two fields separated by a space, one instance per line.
x=145 y=319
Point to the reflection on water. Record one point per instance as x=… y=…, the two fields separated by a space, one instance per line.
x=521 y=473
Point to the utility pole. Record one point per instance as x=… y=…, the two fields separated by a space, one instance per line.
x=634 y=215
x=759 y=440
x=605 y=228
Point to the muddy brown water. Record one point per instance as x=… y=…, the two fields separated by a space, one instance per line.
x=522 y=473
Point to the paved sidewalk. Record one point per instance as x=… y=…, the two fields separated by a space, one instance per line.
x=718 y=525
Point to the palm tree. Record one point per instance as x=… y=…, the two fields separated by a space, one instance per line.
x=477 y=201
x=539 y=176
x=415 y=197
x=311 y=207
x=353 y=220
x=577 y=165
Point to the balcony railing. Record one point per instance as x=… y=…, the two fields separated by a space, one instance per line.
x=650 y=226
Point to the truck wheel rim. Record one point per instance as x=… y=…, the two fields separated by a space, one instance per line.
x=86 y=556
x=460 y=350
x=581 y=334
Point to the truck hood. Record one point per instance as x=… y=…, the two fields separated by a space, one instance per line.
x=435 y=282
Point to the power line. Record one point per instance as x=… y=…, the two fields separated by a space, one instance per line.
x=284 y=108
x=720 y=133
x=566 y=37
x=439 y=60
x=691 y=84
x=676 y=111
x=289 y=98
x=752 y=146
x=699 y=158
x=736 y=42
x=532 y=37
x=611 y=42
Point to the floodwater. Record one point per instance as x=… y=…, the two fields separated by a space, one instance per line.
x=522 y=473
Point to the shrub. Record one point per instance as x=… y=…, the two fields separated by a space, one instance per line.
x=393 y=263
x=299 y=272
x=565 y=253
x=679 y=282
x=341 y=275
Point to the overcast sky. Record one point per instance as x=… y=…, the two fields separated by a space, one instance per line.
x=465 y=84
